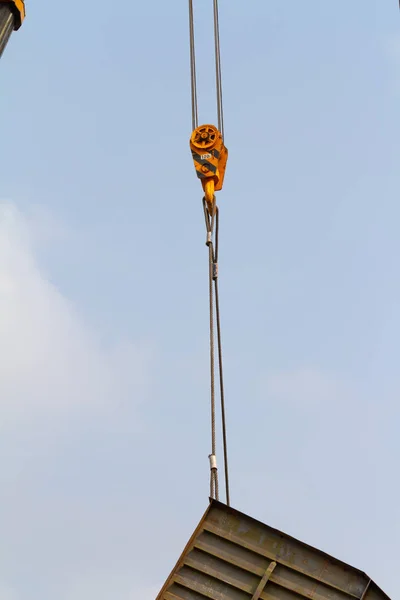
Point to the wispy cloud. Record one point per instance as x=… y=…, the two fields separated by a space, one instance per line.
x=101 y=587
x=305 y=387
x=7 y=593
x=58 y=382
x=50 y=361
x=391 y=49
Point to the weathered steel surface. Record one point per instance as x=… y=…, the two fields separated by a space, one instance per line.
x=234 y=557
x=6 y=25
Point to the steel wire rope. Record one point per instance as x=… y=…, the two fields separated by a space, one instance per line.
x=212 y=221
x=214 y=491
x=220 y=364
x=218 y=71
x=195 y=116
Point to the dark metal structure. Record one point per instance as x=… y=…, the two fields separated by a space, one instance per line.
x=6 y=25
x=234 y=557
x=12 y=13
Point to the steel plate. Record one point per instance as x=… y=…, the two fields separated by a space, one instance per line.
x=234 y=557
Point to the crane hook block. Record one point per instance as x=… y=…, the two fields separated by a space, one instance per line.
x=17 y=7
x=210 y=157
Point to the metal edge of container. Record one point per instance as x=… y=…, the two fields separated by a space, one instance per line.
x=219 y=505
x=181 y=559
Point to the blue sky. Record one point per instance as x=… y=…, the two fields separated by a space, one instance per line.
x=103 y=288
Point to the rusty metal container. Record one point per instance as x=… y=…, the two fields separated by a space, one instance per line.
x=231 y=556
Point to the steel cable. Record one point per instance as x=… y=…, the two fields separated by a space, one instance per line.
x=195 y=116
x=213 y=470
x=220 y=365
x=214 y=307
x=212 y=220
x=218 y=71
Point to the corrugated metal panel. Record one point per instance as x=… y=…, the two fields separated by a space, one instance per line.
x=234 y=557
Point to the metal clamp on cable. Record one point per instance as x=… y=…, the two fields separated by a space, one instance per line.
x=213 y=462
x=209 y=238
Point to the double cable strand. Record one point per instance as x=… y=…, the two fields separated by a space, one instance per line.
x=218 y=70
x=214 y=488
x=214 y=293
x=213 y=256
x=220 y=365
x=193 y=76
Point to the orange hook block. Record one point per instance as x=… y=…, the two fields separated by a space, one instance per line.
x=210 y=157
x=17 y=7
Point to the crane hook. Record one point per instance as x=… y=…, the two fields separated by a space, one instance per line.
x=210 y=157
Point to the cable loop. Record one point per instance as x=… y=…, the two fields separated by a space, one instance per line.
x=212 y=223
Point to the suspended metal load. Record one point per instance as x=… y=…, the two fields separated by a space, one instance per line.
x=231 y=556
x=12 y=14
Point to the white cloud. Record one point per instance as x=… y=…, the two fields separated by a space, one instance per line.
x=102 y=587
x=49 y=360
x=57 y=378
x=305 y=387
x=391 y=48
x=6 y=593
